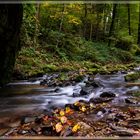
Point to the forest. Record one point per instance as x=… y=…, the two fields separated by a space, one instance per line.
x=72 y=70
x=77 y=36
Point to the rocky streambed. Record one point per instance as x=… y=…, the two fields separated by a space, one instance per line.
x=55 y=105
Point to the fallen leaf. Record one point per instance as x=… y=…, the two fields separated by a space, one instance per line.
x=58 y=127
x=62 y=113
x=75 y=128
x=83 y=108
x=91 y=105
x=69 y=110
x=77 y=103
x=63 y=119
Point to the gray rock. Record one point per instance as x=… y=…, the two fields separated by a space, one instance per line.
x=86 y=90
x=107 y=94
x=28 y=120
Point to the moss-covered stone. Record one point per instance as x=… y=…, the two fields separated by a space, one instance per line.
x=132 y=76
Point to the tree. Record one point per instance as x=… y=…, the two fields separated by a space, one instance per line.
x=129 y=23
x=138 y=42
x=114 y=12
x=10 y=23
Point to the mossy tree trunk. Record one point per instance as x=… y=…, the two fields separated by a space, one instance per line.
x=10 y=23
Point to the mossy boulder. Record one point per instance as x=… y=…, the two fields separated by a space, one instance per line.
x=132 y=76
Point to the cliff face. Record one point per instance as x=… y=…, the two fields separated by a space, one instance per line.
x=10 y=23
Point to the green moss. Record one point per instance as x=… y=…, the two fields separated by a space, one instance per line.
x=132 y=76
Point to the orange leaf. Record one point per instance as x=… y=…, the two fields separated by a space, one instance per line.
x=68 y=110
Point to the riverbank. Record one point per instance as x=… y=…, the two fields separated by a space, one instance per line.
x=92 y=57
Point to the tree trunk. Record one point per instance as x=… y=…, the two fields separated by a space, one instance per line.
x=35 y=40
x=114 y=12
x=10 y=23
x=129 y=23
x=85 y=20
x=61 y=24
x=138 y=42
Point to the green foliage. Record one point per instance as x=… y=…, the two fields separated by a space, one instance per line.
x=125 y=43
x=64 y=37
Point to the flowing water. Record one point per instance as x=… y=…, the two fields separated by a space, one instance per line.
x=27 y=97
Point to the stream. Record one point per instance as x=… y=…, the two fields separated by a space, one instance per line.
x=27 y=97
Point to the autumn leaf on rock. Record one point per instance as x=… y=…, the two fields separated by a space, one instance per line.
x=76 y=128
x=68 y=110
x=58 y=127
x=62 y=113
x=77 y=103
x=83 y=108
x=63 y=119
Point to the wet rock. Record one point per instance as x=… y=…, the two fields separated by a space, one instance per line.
x=123 y=133
x=85 y=129
x=47 y=131
x=76 y=94
x=36 y=129
x=3 y=131
x=14 y=124
x=130 y=101
x=28 y=119
x=100 y=100
x=107 y=94
x=23 y=132
x=86 y=90
x=67 y=131
x=92 y=83
x=132 y=76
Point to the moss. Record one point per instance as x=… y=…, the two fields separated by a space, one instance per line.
x=132 y=76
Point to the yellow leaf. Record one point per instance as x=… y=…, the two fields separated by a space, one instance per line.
x=83 y=108
x=62 y=113
x=75 y=128
x=58 y=127
x=63 y=119
x=69 y=110
x=77 y=104
x=91 y=105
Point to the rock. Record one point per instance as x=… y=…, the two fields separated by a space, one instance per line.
x=86 y=90
x=23 y=132
x=107 y=94
x=14 y=124
x=130 y=101
x=47 y=131
x=132 y=76
x=100 y=100
x=92 y=83
x=85 y=129
x=3 y=131
x=76 y=94
x=124 y=133
x=132 y=84
x=36 y=129
x=28 y=120
x=67 y=131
